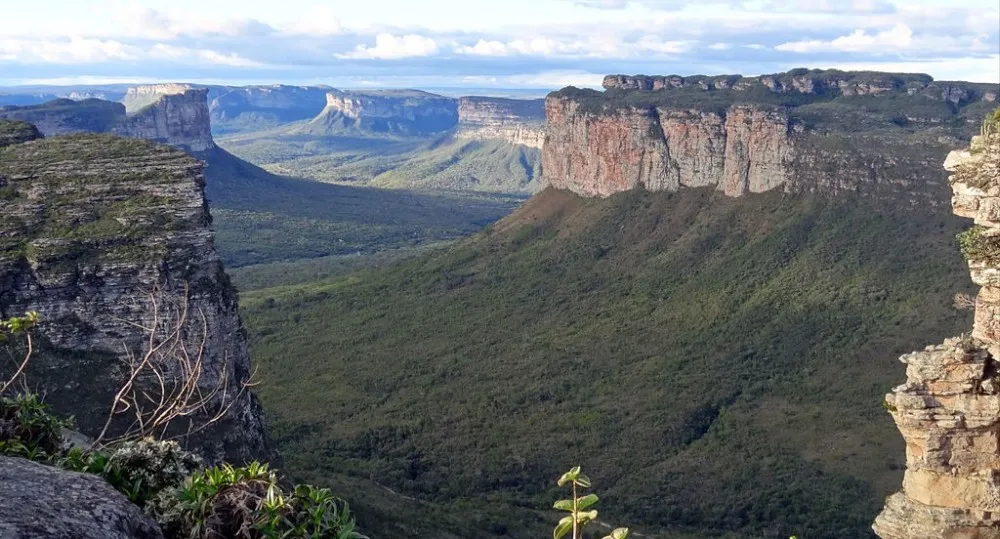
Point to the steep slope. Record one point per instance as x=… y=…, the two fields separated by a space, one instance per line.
x=93 y=230
x=241 y=109
x=520 y=122
x=717 y=364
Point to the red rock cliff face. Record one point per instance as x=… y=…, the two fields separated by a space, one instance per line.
x=746 y=149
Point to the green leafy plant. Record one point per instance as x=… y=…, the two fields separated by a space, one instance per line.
x=991 y=125
x=976 y=245
x=14 y=327
x=577 y=507
x=28 y=429
x=248 y=503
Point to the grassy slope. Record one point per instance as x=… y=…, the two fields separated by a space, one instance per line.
x=433 y=162
x=262 y=218
x=718 y=365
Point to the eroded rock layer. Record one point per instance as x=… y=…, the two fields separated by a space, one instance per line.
x=517 y=121
x=948 y=411
x=93 y=230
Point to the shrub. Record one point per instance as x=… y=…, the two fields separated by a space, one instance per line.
x=976 y=245
x=141 y=469
x=29 y=430
x=248 y=503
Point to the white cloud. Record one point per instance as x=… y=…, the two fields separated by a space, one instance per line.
x=720 y=46
x=65 y=51
x=985 y=69
x=594 y=47
x=137 y=21
x=162 y=51
x=317 y=21
x=899 y=37
x=390 y=47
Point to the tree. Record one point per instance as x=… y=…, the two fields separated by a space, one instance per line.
x=12 y=329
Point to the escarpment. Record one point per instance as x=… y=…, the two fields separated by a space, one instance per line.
x=872 y=133
x=948 y=411
x=104 y=236
x=172 y=114
x=517 y=121
x=397 y=112
x=181 y=120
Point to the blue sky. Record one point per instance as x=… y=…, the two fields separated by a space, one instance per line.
x=475 y=43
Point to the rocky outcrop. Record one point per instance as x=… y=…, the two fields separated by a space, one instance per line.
x=90 y=225
x=64 y=116
x=517 y=121
x=42 y=502
x=814 y=82
x=948 y=411
x=744 y=149
x=181 y=120
x=401 y=112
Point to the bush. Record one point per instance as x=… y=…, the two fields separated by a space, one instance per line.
x=141 y=470
x=29 y=430
x=976 y=245
x=247 y=502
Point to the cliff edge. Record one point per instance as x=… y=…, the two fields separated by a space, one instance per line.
x=948 y=411
x=93 y=230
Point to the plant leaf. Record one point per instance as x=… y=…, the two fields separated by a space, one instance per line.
x=586 y=516
x=583 y=481
x=619 y=533
x=564 y=505
x=564 y=527
x=587 y=501
x=569 y=476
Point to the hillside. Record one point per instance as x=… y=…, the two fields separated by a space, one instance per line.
x=717 y=364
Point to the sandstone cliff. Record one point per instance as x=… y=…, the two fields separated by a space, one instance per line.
x=948 y=411
x=743 y=149
x=873 y=136
x=397 y=112
x=517 y=121
x=181 y=120
x=275 y=104
x=88 y=225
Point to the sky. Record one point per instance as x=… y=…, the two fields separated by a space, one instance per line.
x=483 y=44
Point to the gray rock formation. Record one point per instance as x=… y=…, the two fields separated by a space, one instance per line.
x=90 y=224
x=42 y=502
x=64 y=116
x=516 y=121
x=398 y=112
x=16 y=132
x=278 y=103
x=181 y=120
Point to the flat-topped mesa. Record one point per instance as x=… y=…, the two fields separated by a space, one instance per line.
x=517 y=121
x=65 y=116
x=403 y=112
x=743 y=149
x=181 y=120
x=948 y=411
x=138 y=97
x=276 y=103
x=92 y=224
x=815 y=82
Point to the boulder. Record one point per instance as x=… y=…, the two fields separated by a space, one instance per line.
x=43 y=502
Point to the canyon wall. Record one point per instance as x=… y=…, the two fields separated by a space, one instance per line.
x=278 y=103
x=89 y=227
x=948 y=410
x=516 y=121
x=181 y=120
x=743 y=149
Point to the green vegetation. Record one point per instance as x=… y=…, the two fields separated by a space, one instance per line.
x=978 y=246
x=440 y=162
x=718 y=365
x=262 y=218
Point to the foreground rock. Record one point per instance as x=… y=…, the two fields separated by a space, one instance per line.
x=948 y=411
x=90 y=227
x=42 y=502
